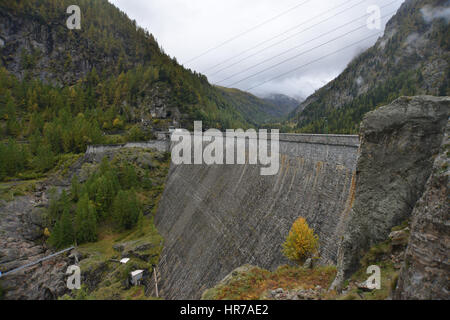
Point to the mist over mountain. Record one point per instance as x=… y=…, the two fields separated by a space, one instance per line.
x=411 y=58
x=286 y=102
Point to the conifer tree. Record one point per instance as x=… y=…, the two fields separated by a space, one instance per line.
x=75 y=188
x=67 y=230
x=126 y=209
x=85 y=220
x=55 y=238
x=63 y=234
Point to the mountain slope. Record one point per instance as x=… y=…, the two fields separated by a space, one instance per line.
x=110 y=48
x=411 y=58
x=37 y=41
x=254 y=109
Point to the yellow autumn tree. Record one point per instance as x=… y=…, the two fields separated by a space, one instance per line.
x=46 y=232
x=117 y=123
x=301 y=242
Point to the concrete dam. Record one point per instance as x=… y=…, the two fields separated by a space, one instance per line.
x=215 y=218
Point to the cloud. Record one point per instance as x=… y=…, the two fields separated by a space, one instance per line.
x=429 y=13
x=359 y=81
x=188 y=28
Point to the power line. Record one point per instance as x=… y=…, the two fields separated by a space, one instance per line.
x=311 y=62
x=280 y=34
x=300 y=54
x=301 y=45
x=248 y=31
x=268 y=47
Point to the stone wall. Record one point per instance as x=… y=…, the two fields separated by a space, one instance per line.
x=160 y=145
x=219 y=217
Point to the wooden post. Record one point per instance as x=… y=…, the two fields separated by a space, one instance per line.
x=156 y=282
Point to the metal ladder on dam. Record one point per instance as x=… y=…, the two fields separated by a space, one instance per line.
x=36 y=262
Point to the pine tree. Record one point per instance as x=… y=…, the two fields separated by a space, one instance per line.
x=75 y=188
x=86 y=221
x=140 y=222
x=103 y=195
x=67 y=231
x=129 y=177
x=63 y=234
x=53 y=208
x=56 y=236
x=126 y=209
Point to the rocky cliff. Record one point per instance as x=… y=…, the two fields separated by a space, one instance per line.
x=21 y=225
x=398 y=145
x=36 y=41
x=425 y=273
x=217 y=218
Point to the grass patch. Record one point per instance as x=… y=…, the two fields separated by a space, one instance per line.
x=65 y=161
x=404 y=225
x=255 y=283
x=379 y=255
x=389 y=276
x=108 y=238
x=107 y=277
x=9 y=190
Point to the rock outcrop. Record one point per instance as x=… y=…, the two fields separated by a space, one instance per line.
x=426 y=271
x=398 y=145
x=21 y=228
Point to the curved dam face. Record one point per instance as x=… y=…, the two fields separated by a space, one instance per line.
x=215 y=218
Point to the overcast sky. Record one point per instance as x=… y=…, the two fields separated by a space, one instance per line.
x=262 y=30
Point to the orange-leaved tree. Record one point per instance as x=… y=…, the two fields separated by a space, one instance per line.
x=301 y=242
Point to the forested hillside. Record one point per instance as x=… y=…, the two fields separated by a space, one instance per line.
x=411 y=58
x=254 y=109
x=108 y=82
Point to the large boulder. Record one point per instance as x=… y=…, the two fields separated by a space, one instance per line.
x=398 y=144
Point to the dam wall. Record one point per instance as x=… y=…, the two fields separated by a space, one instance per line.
x=215 y=218
x=160 y=145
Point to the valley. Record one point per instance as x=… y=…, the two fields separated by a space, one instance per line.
x=88 y=121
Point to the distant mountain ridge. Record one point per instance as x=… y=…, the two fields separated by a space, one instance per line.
x=285 y=102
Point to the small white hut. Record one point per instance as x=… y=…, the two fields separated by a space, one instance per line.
x=136 y=277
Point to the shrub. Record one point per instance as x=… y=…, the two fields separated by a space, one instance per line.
x=136 y=134
x=301 y=242
x=117 y=123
